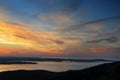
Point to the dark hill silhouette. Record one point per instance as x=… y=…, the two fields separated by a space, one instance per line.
x=108 y=71
x=27 y=75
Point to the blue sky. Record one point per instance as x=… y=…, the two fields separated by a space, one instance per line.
x=76 y=24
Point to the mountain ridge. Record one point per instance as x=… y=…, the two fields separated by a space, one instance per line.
x=52 y=59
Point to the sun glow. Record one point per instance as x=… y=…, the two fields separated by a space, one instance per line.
x=22 y=36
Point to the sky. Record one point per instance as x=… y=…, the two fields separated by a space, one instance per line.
x=60 y=28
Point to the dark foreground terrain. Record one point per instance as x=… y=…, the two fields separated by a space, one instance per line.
x=109 y=71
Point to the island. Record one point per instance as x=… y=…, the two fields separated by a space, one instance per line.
x=16 y=62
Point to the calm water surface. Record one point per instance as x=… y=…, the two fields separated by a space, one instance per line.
x=50 y=66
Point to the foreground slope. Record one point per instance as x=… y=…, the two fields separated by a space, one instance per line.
x=108 y=71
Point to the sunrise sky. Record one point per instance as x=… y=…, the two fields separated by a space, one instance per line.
x=60 y=28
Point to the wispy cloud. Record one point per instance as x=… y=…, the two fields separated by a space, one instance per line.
x=110 y=40
x=74 y=27
x=18 y=35
x=59 y=27
x=110 y=37
x=58 y=19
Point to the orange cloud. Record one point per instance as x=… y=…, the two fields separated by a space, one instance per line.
x=21 y=36
x=20 y=40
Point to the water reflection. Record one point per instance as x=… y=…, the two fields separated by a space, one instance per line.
x=50 y=66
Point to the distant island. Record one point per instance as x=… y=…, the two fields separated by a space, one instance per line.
x=16 y=62
x=29 y=59
x=107 y=71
